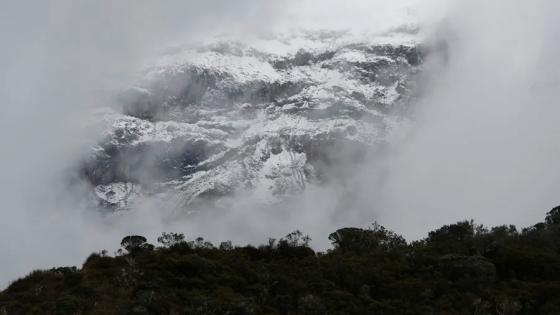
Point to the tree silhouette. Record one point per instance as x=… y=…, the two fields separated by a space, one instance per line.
x=133 y=243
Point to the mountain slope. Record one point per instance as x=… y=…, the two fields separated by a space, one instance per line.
x=266 y=116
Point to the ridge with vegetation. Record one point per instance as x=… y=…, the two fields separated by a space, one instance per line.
x=462 y=268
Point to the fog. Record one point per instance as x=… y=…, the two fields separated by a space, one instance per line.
x=58 y=60
x=483 y=142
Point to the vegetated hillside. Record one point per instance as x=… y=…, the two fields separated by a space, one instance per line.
x=461 y=268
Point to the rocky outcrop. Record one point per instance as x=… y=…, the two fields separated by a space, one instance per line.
x=267 y=116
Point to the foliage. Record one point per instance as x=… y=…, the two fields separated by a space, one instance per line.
x=461 y=268
x=135 y=243
x=171 y=239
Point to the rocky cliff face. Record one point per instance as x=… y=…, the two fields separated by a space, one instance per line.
x=267 y=116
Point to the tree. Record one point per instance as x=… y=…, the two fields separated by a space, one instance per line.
x=133 y=243
x=553 y=216
x=171 y=239
x=295 y=244
x=454 y=238
x=361 y=240
x=294 y=239
x=200 y=243
x=226 y=245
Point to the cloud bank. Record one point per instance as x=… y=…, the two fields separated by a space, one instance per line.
x=485 y=142
x=58 y=60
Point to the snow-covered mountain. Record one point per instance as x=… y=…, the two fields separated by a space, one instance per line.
x=266 y=116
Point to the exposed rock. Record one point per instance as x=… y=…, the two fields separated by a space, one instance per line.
x=223 y=116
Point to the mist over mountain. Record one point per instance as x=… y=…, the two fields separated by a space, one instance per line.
x=245 y=121
x=214 y=121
